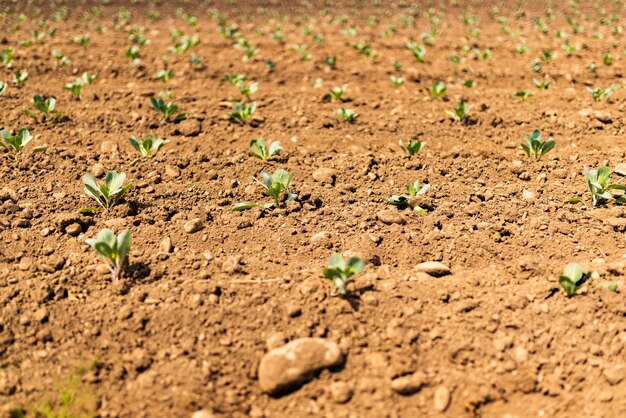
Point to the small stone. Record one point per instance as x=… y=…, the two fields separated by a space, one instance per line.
x=97 y=170
x=319 y=236
x=276 y=340
x=193 y=225
x=520 y=354
x=340 y=392
x=41 y=315
x=286 y=368
x=172 y=171
x=602 y=116
x=389 y=217
x=442 y=398
x=203 y=413
x=25 y=263
x=294 y=310
x=188 y=127
x=325 y=175
x=620 y=169
x=408 y=385
x=166 y=245
x=73 y=230
x=45 y=232
x=605 y=396
x=528 y=195
x=232 y=265
x=433 y=268
x=614 y=374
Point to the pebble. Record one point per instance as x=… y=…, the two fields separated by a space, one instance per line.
x=433 y=268
x=614 y=374
x=73 y=229
x=97 y=170
x=203 y=413
x=278 y=339
x=340 y=392
x=620 y=169
x=172 y=171
x=325 y=175
x=442 y=398
x=286 y=368
x=193 y=225
x=188 y=127
x=166 y=245
x=389 y=217
x=408 y=385
x=528 y=195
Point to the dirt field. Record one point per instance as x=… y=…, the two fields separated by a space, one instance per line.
x=208 y=291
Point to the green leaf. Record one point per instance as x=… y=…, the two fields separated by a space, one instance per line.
x=114 y=181
x=123 y=246
x=574 y=272
x=567 y=285
x=337 y=262
x=354 y=266
x=239 y=207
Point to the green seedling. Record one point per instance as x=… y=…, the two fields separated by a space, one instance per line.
x=19 y=78
x=470 y=84
x=438 y=89
x=460 y=113
x=108 y=194
x=6 y=57
x=524 y=94
x=259 y=149
x=397 y=81
x=572 y=278
x=413 y=189
x=235 y=79
x=242 y=113
x=418 y=51
x=17 y=142
x=348 y=115
x=164 y=75
x=76 y=86
x=148 y=145
x=608 y=59
x=3 y=87
x=331 y=62
x=62 y=59
x=547 y=56
x=248 y=50
x=184 y=44
x=336 y=93
x=535 y=147
x=168 y=111
x=598 y=182
x=412 y=147
x=598 y=94
x=340 y=270
x=247 y=90
x=113 y=250
x=276 y=186
x=541 y=85
x=81 y=40
x=45 y=106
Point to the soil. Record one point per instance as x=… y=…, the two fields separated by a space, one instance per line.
x=187 y=327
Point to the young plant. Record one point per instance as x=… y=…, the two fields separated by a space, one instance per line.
x=45 y=106
x=258 y=149
x=413 y=190
x=167 y=111
x=14 y=142
x=247 y=90
x=418 y=51
x=276 y=186
x=336 y=93
x=535 y=147
x=348 y=115
x=572 y=278
x=541 y=85
x=242 y=113
x=3 y=87
x=438 y=89
x=148 y=145
x=235 y=79
x=460 y=113
x=599 y=186
x=19 y=78
x=113 y=250
x=164 y=75
x=598 y=94
x=108 y=194
x=412 y=147
x=340 y=270
x=331 y=62
x=524 y=95
x=397 y=81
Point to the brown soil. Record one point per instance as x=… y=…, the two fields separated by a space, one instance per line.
x=186 y=329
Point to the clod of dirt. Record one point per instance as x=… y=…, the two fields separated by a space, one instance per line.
x=193 y=225
x=614 y=374
x=408 y=385
x=325 y=175
x=620 y=169
x=433 y=268
x=188 y=127
x=73 y=229
x=286 y=368
x=389 y=217
x=442 y=398
x=340 y=392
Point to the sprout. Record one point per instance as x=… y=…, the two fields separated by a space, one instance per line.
x=113 y=250
x=438 y=89
x=418 y=51
x=164 y=75
x=412 y=147
x=108 y=194
x=3 y=87
x=258 y=149
x=167 y=111
x=599 y=186
x=16 y=142
x=242 y=113
x=572 y=278
x=45 y=106
x=348 y=115
x=336 y=93
x=276 y=186
x=340 y=270
x=148 y=145
x=396 y=81
x=459 y=114
x=524 y=94
x=413 y=190
x=19 y=78
x=535 y=147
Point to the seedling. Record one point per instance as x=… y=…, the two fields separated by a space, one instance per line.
x=248 y=50
x=58 y=55
x=148 y=145
x=3 y=87
x=438 y=89
x=535 y=147
x=336 y=93
x=108 y=194
x=276 y=186
x=572 y=278
x=397 y=81
x=418 y=51
x=242 y=113
x=598 y=94
x=340 y=270
x=184 y=44
x=247 y=90
x=348 y=115
x=76 y=86
x=132 y=52
x=258 y=149
x=6 y=56
x=460 y=113
x=81 y=40
x=412 y=147
x=167 y=111
x=413 y=189
x=164 y=75
x=598 y=184
x=19 y=78
x=235 y=79
x=470 y=84
x=17 y=142
x=113 y=250
x=524 y=94
x=541 y=85
x=331 y=62
x=45 y=106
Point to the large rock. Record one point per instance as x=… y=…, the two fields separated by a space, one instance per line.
x=288 y=367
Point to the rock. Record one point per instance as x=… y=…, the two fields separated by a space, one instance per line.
x=325 y=175
x=73 y=230
x=442 y=398
x=408 y=385
x=203 y=413
x=98 y=170
x=620 y=169
x=390 y=216
x=433 y=268
x=614 y=373
x=528 y=195
x=166 y=245
x=340 y=392
x=232 y=265
x=172 y=171
x=294 y=310
x=188 y=127
x=288 y=367
x=192 y=226
x=602 y=116
x=276 y=340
